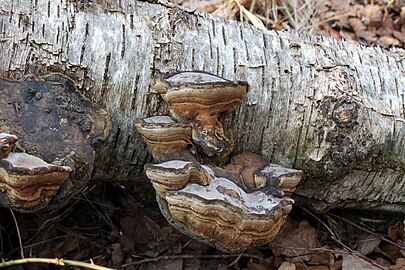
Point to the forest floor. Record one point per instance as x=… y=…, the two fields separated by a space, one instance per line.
x=113 y=227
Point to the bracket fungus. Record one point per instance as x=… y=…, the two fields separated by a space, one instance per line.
x=58 y=131
x=230 y=205
x=203 y=99
x=165 y=138
x=7 y=143
x=28 y=182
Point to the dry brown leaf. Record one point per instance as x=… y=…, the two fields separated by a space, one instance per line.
x=337 y=265
x=383 y=262
x=357 y=25
x=387 y=27
x=340 y=5
x=364 y=36
x=117 y=256
x=101 y=262
x=316 y=267
x=399 y=264
x=207 y=6
x=69 y=244
x=166 y=265
x=278 y=261
x=326 y=30
x=373 y=15
x=399 y=35
x=287 y=266
x=301 y=266
x=367 y=243
x=391 y=251
x=256 y=266
x=387 y=41
x=314 y=259
x=264 y=264
x=353 y=262
x=348 y=36
x=295 y=239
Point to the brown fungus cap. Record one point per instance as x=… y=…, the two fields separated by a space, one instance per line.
x=165 y=138
x=28 y=181
x=219 y=212
x=7 y=142
x=274 y=176
x=203 y=99
x=252 y=172
x=174 y=175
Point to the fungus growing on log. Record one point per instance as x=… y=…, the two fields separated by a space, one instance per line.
x=203 y=99
x=7 y=143
x=232 y=206
x=175 y=174
x=255 y=173
x=58 y=132
x=165 y=138
x=28 y=182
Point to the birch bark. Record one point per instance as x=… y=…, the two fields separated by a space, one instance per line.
x=335 y=110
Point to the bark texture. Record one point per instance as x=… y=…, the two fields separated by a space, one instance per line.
x=332 y=109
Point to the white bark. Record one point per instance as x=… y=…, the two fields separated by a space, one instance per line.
x=117 y=49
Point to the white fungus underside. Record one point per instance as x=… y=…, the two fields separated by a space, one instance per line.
x=24 y=160
x=255 y=202
x=173 y=164
x=161 y=119
x=3 y=135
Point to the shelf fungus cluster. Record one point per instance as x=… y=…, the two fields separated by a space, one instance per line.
x=58 y=130
x=230 y=203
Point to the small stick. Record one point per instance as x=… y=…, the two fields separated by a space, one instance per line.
x=367 y=230
x=56 y=261
x=333 y=236
x=19 y=234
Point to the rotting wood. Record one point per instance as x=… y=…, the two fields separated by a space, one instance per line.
x=333 y=109
x=53 y=123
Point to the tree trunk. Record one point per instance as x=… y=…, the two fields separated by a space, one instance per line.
x=332 y=109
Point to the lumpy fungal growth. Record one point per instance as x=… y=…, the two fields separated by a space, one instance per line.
x=230 y=205
x=58 y=130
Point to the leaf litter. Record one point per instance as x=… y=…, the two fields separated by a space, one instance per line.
x=368 y=22
x=114 y=229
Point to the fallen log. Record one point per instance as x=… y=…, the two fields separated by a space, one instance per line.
x=332 y=109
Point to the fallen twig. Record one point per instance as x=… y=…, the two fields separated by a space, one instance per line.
x=367 y=230
x=56 y=261
x=334 y=237
x=18 y=233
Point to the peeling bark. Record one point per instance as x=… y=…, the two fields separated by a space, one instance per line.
x=332 y=109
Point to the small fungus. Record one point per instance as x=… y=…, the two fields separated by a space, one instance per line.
x=230 y=205
x=165 y=137
x=7 y=143
x=26 y=181
x=174 y=175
